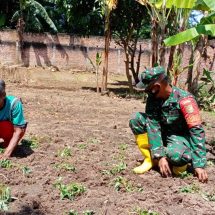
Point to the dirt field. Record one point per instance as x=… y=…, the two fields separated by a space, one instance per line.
x=79 y=136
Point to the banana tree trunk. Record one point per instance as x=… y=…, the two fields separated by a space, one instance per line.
x=154 y=43
x=106 y=54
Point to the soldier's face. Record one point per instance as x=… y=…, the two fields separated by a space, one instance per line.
x=154 y=90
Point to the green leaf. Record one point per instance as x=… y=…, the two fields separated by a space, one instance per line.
x=207 y=5
x=190 y=34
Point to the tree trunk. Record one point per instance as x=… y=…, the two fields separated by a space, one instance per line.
x=154 y=43
x=170 y=64
x=106 y=53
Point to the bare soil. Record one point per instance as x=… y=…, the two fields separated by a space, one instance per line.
x=63 y=110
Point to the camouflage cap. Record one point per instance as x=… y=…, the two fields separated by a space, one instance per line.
x=149 y=76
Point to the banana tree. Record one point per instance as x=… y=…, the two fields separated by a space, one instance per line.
x=107 y=7
x=198 y=36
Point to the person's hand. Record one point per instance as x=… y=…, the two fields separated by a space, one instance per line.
x=164 y=167
x=201 y=175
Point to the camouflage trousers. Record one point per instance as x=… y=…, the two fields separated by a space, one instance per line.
x=176 y=148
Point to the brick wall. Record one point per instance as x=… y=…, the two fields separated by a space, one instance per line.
x=70 y=52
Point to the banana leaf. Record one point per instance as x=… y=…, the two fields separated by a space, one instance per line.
x=190 y=34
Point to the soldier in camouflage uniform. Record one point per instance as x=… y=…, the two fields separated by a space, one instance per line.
x=170 y=130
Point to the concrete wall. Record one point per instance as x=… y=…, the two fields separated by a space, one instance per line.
x=70 y=52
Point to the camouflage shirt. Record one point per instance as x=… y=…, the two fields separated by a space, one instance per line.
x=178 y=115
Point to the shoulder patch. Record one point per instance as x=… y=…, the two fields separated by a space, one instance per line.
x=190 y=111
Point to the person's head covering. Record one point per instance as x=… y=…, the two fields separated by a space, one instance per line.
x=150 y=76
x=2 y=86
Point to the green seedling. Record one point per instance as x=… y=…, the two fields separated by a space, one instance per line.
x=5 y=197
x=26 y=170
x=66 y=152
x=2 y=150
x=185 y=174
x=193 y=188
x=123 y=146
x=82 y=146
x=209 y=197
x=140 y=211
x=32 y=142
x=88 y=212
x=116 y=169
x=121 y=183
x=5 y=163
x=73 y=212
x=94 y=141
x=65 y=166
x=70 y=191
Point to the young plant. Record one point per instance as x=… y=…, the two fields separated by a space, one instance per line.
x=82 y=146
x=70 y=191
x=116 y=169
x=185 y=174
x=66 y=152
x=32 y=142
x=140 y=211
x=123 y=146
x=65 y=166
x=5 y=197
x=88 y=212
x=2 y=150
x=209 y=196
x=26 y=170
x=193 y=188
x=5 y=163
x=121 y=183
x=73 y=212
x=94 y=141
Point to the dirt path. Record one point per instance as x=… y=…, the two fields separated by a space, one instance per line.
x=72 y=126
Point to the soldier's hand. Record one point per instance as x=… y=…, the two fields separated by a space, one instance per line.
x=164 y=167
x=201 y=175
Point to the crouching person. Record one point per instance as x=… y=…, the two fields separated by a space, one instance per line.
x=169 y=133
x=12 y=122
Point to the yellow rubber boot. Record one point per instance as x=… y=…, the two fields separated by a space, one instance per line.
x=143 y=144
x=177 y=170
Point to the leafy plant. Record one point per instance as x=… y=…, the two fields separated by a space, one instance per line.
x=140 y=211
x=66 y=166
x=32 y=142
x=66 y=152
x=70 y=191
x=116 y=169
x=26 y=170
x=209 y=196
x=185 y=174
x=206 y=91
x=193 y=188
x=5 y=197
x=123 y=146
x=2 y=151
x=82 y=146
x=88 y=212
x=73 y=212
x=5 y=163
x=121 y=183
x=94 y=141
